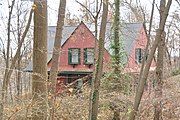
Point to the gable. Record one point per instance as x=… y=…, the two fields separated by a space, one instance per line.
x=82 y=34
x=66 y=33
x=129 y=32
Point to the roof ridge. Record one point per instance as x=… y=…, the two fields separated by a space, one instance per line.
x=134 y=23
x=92 y=23
x=64 y=26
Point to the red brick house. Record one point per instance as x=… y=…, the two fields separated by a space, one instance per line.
x=77 y=55
x=135 y=40
x=78 y=42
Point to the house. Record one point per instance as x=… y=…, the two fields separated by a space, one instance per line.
x=77 y=46
x=77 y=53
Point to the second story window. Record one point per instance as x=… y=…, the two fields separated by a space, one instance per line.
x=88 y=55
x=138 y=55
x=74 y=56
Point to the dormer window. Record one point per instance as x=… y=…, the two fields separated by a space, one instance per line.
x=74 y=56
x=88 y=56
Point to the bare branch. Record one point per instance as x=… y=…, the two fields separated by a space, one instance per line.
x=86 y=9
x=19 y=46
x=178 y=2
x=135 y=9
x=99 y=10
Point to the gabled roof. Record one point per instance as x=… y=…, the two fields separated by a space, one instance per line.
x=129 y=32
x=66 y=33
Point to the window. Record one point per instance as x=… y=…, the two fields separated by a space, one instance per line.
x=138 y=55
x=88 y=55
x=74 y=56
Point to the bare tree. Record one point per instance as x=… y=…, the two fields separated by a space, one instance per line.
x=20 y=25
x=144 y=76
x=9 y=33
x=87 y=16
x=94 y=98
x=96 y=16
x=9 y=70
x=162 y=49
x=159 y=77
x=39 y=78
x=148 y=33
x=56 y=53
x=71 y=20
x=19 y=55
x=136 y=13
x=7 y=58
x=116 y=28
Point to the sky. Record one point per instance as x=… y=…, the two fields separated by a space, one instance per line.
x=72 y=6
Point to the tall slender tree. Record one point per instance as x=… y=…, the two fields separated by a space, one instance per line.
x=148 y=38
x=39 y=78
x=8 y=71
x=9 y=33
x=18 y=66
x=56 y=53
x=159 y=70
x=116 y=28
x=144 y=76
x=159 y=77
x=94 y=98
x=7 y=58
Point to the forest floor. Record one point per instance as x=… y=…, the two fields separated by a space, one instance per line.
x=76 y=106
x=170 y=101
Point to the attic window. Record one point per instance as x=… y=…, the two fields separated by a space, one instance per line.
x=74 y=56
x=88 y=55
x=138 y=55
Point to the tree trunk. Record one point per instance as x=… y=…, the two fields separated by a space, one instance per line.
x=39 y=77
x=19 y=57
x=8 y=45
x=9 y=71
x=116 y=38
x=8 y=48
x=56 y=54
x=7 y=61
x=143 y=79
x=159 y=70
x=159 y=77
x=94 y=98
x=9 y=35
x=148 y=40
x=18 y=80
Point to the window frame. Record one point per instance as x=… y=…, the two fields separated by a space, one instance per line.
x=70 y=56
x=139 y=52
x=85 y=56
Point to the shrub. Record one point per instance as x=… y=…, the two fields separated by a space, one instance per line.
x=175 y=72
